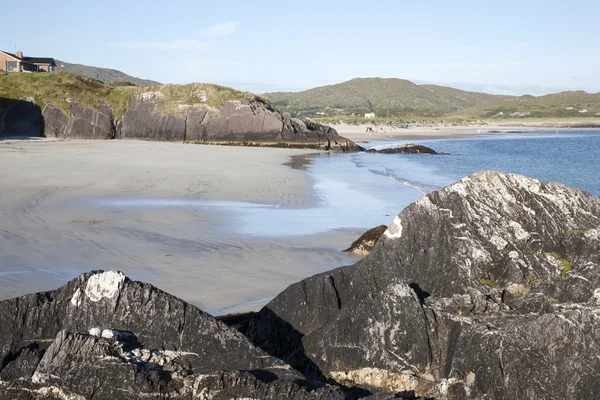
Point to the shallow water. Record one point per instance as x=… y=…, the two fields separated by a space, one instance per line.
x=571 y=158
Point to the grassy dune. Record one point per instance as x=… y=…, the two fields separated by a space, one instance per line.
x=61 y=89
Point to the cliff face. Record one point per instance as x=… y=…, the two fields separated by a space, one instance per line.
x=21 y=118
x=236 y=122
x=156 y=116
x=490 y=286
x=83 y=123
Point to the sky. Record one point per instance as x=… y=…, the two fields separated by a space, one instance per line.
x=507 y=47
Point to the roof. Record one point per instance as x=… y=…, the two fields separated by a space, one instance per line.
x=10 y=54
x=39 y=60
x=32 y=60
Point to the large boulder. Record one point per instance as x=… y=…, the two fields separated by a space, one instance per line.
x=81 y=123
x=104 y=336
x=488 y=288
x=21 y=118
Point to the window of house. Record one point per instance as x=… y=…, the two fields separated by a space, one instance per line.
x=11 y=66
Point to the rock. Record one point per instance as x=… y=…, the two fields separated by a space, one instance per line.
x=409 y=148
x=104 y=336
x=488 y=288
x=83 y=123
x=143 y=121
x=22 y=118
x=365 y=243
x=236 y=122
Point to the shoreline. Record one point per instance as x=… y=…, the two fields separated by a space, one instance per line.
x=358 y=133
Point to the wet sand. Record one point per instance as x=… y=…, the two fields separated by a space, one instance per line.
x=164 y=213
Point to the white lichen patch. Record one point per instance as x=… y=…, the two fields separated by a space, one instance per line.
x=498 y=242
x=400 y=290
x=596 y=296
x=104 y=285
x=377 y=377
x=56 y=392
x=592 y=234
x=394 y=231
x=518 y=230
x=151 y=96
x=76 y=299
x=95 y=332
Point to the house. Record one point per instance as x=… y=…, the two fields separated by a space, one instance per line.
x=369 y=115
x=19 y=63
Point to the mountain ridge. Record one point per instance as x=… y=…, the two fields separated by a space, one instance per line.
x=400 y=98
x=379 y=95
x=106 y=75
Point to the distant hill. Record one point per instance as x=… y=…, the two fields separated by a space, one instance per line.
x=389 y=96
x=572 y=104
x=102 y=74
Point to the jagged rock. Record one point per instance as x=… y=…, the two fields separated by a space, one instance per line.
x=365 y=243
x=236 y=122
x=409 y=148
x=487 y=288
x=21 y=118
x=83 y=123
x=104 y=336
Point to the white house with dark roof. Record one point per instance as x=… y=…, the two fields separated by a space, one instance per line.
x=19 y=63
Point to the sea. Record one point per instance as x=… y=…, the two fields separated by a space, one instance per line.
x=363 y=190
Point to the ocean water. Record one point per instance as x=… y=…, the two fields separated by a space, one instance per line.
x=571 y=158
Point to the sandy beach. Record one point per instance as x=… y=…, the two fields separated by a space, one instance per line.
x=164 y=213
x=358 y=132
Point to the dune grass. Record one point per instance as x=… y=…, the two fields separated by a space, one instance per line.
x=61 y=89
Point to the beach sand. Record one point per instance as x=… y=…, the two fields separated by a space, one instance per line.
x=358 y=133
x=164 y=213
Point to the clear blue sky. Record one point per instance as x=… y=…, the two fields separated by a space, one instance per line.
x=504 y=47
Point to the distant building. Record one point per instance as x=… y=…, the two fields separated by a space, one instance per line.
x=19 y=63
x=369 y=115
x=583 y=111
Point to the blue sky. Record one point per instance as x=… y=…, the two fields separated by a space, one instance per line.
x=516 y=47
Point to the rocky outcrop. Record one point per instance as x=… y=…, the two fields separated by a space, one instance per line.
x=365 y=243
x=104 y=336
x=409 y=148
x=82 y=123
x=154 y=116
x=21 y=118
x=236 y=122
x=487 y=288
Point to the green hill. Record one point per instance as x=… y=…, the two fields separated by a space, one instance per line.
x=102 y=74
x=385 y=97
x=573 y=104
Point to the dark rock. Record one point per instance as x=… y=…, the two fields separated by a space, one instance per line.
x=22 y=118
x=107 y=337
x=83 y=123
x=236 y=122
x=489 y=287
x=409 y=148
x=365 y=243
x=142 y=121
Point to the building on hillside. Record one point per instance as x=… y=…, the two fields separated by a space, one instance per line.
x=369 y=115
x=19 y=63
